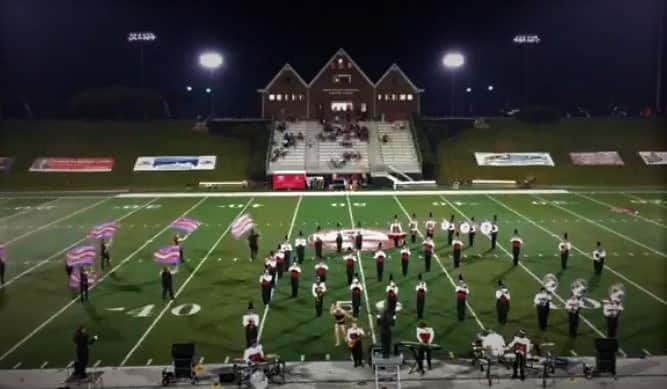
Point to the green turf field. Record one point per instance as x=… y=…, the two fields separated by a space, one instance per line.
x=40 y=313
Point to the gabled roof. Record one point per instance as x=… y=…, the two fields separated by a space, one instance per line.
x=394 y=67
x=285 y=67
x=326 y=65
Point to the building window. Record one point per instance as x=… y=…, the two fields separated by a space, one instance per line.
x=410 y=97
x=380 y=96
x=293 y=97
x=300 y=97
x=402 y=97
x=279 y=97
x=393 y=97
x=286 y=97
x=272 y=97
x=363 y=107
x=386 y=97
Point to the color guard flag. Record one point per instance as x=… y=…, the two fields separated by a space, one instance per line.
x=2 y=251
x=80 y=256
x=241 y=225
x=168 y=255
x=104 y=230
x=186 y=224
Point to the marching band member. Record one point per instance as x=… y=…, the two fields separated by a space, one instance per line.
x=300 y=243
x=598 y=258
x=321 y=270
x=572 y=306
x=380 y=256
x=392 y=295
x=462 y=293
x=167 y=283
x=356 y=288
x=340 y=316
x=272 y=265
x=612 y=309
x=521 y=347
x=253 y=238
x=502 y=302
x=358 y=238
x=350 y=259
x=430 y=225
x=457 y=246
x=294 y=274
x=494 y=232
x=280 y=262
x=425 y=337
x=405 y=260
x=429 y=246
x=354 y=336
x=253 y=354
x=517 y=242
x=396 y=229
x=421 y=290
x=472 y=232
x=286 y=248
x=318 y=244
x=83 y=284
x=339 y=239
x=250 y=322
x=266 y=282
x=414 y=227
x=178 y=241
x=104 y=253
x=450 y=230
x=564 y=247
x=542 y=302
x=318 y=290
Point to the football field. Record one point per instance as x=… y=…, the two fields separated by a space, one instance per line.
x=214 y=285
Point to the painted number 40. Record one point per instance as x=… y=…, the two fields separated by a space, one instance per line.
x=181 y=310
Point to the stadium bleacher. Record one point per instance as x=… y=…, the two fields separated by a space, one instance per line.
x=398 y=147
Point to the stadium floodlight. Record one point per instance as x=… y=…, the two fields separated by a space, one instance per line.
x=490 y=88
x=523 y=39
x=210 y=60
x=141 y=36
x=209 y=90
x=468 y=89
x=453 y=60
x=188 y=88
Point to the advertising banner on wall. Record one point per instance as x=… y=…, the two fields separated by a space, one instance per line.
x=289 y=181
x=175 y=163
x=72 y=165
x=597 y=158
x=654 y=157
x=514 y=159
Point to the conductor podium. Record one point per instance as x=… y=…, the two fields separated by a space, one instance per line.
x=605 y=358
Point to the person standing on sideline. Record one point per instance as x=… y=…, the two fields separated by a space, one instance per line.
x=350 y=261
x=428 y=247
x=598 y=258
x=318 y=291
x=572 y=306
x=564 y=247
x=82 y=342
x=612 y=310
x=167 y=283
x=542 y=302
x=521 y=347
x=266 y=283
x=502 y=302
x=472 y=232
x=457 y=247
x=250 y=323
x=300 y=243
x=517 y=242
x=494 y=232
x=379 y=262
x=253 y=243
x=425 y=337
x=421 y=290
x=339 y=239
x=462 y=293
x=353 y=337
x=83 y=285
x=294 y=274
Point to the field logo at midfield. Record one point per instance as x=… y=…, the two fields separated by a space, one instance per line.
x=370 y=242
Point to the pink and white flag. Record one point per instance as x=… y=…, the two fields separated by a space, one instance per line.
x=104 y=230
x=168 y=255
x=186 y=224
x=241 y=225
x=81 y=256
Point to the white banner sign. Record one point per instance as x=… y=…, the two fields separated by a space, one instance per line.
x=596 y=158
x=514 y=159
x=654 y=157
x=175 y=163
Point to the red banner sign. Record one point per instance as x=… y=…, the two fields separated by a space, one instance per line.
x=72 y=165
x=289 y=181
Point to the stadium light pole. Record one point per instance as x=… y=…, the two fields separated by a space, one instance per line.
x=453 y=61
x=524 y=41
x=211 y=61
x=139 y=39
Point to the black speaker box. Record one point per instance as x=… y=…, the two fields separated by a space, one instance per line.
x=606 y=345
x=183 y=350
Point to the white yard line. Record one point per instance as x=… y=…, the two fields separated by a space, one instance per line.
x=7 y=217
x=289 y=236
x=7 y=243
x=449 y=277
x=363 y=275
x=537 y=279
x=605 y=204
x=604 y=228
x=182 y=288
x=76 y=299
x=555 y=236
x=630 y=195
x=61 y=252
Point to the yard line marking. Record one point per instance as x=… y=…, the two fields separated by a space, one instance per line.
x=363 y=277
x=17 y=365
x=605 y=204
x=555 y=236
x=449 y=277
x=32 y=231
x=539 y=281
x=606 y=228
x=7 y=217
x=61 y=252
x=327 y=357
x=97 y=363
x=43 y=365
x=645 y=351
x=573 y=353
x=303 y=357
x=227 y=359
x=180 y=290
x=149 y=361
x=646 y=201
x=623 y=354
x=268 y=306
x=69 y=365
x=76 y=299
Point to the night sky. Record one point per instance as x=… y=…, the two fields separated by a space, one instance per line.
x=592 y=52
